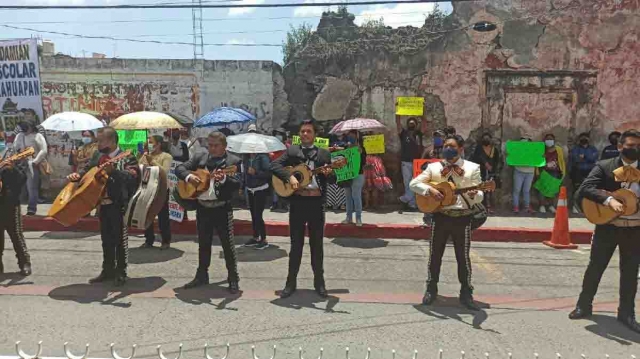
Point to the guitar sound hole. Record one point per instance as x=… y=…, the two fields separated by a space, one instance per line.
x=298 y=176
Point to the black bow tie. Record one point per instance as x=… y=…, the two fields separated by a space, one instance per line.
x=307 y=151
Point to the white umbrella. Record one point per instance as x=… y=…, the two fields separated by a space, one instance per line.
x=254 y=143
x=71 y=121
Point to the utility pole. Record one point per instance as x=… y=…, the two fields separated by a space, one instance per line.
x=198 y=39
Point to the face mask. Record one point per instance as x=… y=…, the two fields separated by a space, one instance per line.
x=614 y=141
x=584 y=142
x=412 y=126
x=549 y=143
x=150 y=146
x=105 y=150
x=86 y=140
x=449 y=153
x=486 y=142
x=632 y=154
x=438 y=142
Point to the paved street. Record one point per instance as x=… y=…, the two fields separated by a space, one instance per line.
x=375 y=285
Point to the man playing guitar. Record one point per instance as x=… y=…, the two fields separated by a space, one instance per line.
x=214 y=210
x=306 y=206
x=13 y=178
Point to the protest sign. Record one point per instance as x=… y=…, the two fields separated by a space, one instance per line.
x=530 y=154
x=176 y=212
x=373 y=144
x=130 y=139
x=319 y=141
x=417 y=165
x=548 y=185
x=19 y=83
x=410 y=106
x=352 y=169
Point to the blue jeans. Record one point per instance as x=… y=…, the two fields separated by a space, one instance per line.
x=407 y=175
x=522 y=183
x=354 y=198
x=33 y=188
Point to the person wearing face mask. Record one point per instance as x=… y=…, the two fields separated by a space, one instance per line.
x=80 y=157
x=582 y=160
x=177 y=148
x=410 y=149
x=522 y=181
x=555 y=166
x=622 y=232
x=452 y=221
x=279 y=204
x=354 y=190
x=31 y=137
x=156 y=156
x=488 y=156
x=611 y=151
x=122 y=182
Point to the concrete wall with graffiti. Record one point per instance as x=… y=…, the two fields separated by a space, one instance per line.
x=108 y=88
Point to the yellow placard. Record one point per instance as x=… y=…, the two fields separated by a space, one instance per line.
x=319 y=141
x=410 y=106
x=373 y=144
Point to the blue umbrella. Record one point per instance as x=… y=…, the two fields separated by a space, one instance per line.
x=223 y=116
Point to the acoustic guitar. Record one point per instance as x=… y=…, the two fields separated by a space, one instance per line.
x=598 y=213
x=303 y=174
x=27 y=152
x=149 y=199
x=429 y=204
x=187 y=190
x=78 y=199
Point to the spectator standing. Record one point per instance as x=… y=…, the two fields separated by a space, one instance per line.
x=30 y=137
x=435 y=151
x=410 y=149
x=336 y=193
x=279 y=204
x=177 y=148
x=354 y=191
x=555 y=166
x=82 y=155
x=522 y=181
x=611 y=151
x=256 y=178
x=582 y=160
x=488 y=156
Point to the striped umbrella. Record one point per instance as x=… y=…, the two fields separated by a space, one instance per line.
x=357 y=124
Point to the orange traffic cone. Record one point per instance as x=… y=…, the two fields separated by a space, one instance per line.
x=560 y=237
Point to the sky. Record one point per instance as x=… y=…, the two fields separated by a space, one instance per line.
x=227 y=27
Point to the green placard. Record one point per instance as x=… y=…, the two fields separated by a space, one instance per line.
x=129 y=139
x=530 y=154
x=352 y=169
x=319 y=141
x=548 y=185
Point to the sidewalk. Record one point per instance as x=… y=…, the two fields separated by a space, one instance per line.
x=377 y=225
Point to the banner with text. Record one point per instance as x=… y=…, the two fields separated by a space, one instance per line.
x=176 y=212
x=319 y=141
x=410 y=106
x=352 y=169
x=373 y=144
x=19 y=83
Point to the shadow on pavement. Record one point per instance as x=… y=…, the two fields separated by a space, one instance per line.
x=450 y=308
x=139 y=255
x=207 y=294
x=610 y=328
x=104 y=292
x=68 y=235
x=307 y=298
x=13 y=279
x=361 y=243
x=248 y=254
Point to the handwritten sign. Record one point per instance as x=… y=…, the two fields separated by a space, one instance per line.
x=352 y=169
x=530 y=154
x=373 y=144
x=410 y=106
x=417 y=165
x=319 y=141
x=548 y=185
x=176 y=212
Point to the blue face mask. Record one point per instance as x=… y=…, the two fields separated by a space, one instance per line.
x=438 y=142
x=449 y=153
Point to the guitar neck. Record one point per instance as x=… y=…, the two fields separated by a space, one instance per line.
x=467 y=189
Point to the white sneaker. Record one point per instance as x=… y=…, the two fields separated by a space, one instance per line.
x=358 y=223
x=542 y=209
x=552 y=209
x=347 y=221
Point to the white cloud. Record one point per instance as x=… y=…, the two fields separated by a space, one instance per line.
x=240 y=42
x=244 y=10
x=396 y=16
x=308 y=11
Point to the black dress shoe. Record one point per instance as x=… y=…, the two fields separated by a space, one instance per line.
x=102 y=277
x=629 y=321
x=322 y=291
x=1 y=267
x=429 y=298
x=580 y=313
x=120 y=280
x=234 y=287
x=287 y=291
x=197 y=282
x=25 y=270
x=469 y=303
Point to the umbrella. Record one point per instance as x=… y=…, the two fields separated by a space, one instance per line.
x=254 y=143
x=145 y=121
x=223 y=116
x=184 y=120
x=357 y=124
x=71 y=121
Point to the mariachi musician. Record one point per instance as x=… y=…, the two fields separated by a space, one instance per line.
x=13 y=178
x=123 y=180
x=214 y=210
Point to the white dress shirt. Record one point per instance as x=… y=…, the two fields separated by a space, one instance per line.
x=633 y=186
x=314 y=183
x=210 y=194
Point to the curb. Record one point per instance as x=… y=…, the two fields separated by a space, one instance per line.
x=332 y=230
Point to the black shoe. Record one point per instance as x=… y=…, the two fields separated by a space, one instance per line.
x=31 y=213
x=429 y=298
x=234 y=287
x=165 y=246
x=146 y=245
x=287 y=291
x=629 y=321
x=322 y=291
x=468 y=302
x=25 y=270
x=102 y=277
x=580 y=313
x=197 y=282
x=1 y=267
x=120 y=280
x=263 y=244
x=251 y=243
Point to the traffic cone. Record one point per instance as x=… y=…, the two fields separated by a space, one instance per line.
x=560 y=237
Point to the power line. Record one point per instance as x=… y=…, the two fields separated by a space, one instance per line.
x=215 y=6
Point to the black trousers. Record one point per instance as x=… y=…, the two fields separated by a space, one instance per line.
x=306 y=213
x=115 y=239
x=164 y=223
x=605 y=240
x=219 y=219
x=459 y=230
x=257 y=202
x=11 y=221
